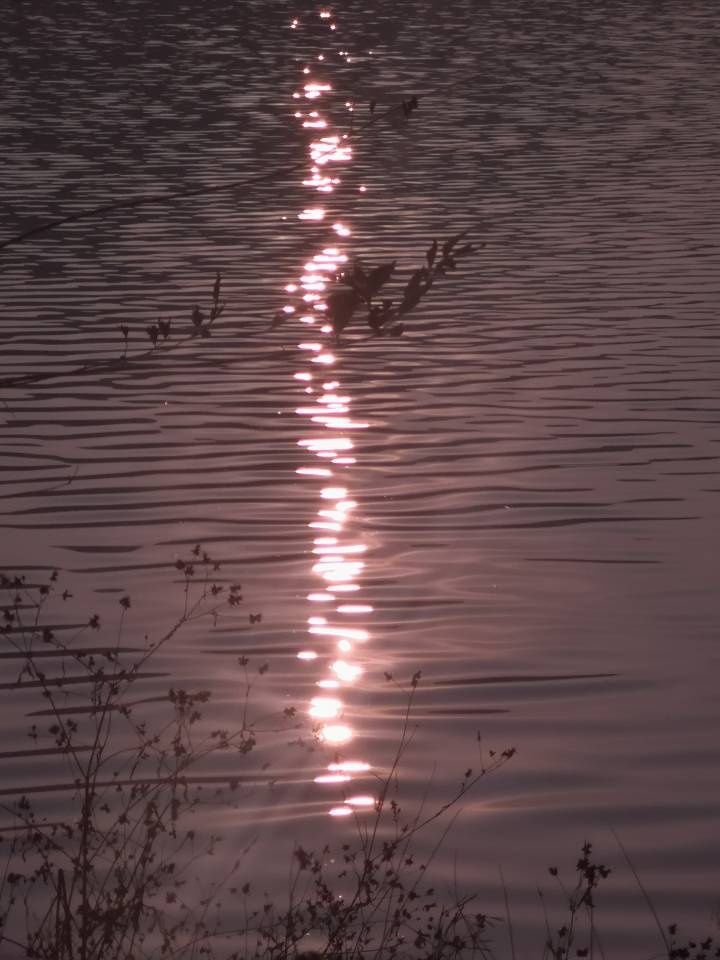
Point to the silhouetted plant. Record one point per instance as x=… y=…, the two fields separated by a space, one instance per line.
x=563 y=942
x=359 y=287
x=108 y=881
x=379 y=900
x=201 y=323
x=112 y=880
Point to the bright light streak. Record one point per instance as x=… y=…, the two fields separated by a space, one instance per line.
x=350 y=766
x=336 y=733
x=313 y=472
x=325 y=708
x=361 y=800
x=312 y=213
x=347 y=672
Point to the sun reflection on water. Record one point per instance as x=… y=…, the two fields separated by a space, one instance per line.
x=336 y=627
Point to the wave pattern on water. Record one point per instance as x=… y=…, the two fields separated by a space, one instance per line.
x=537 y=484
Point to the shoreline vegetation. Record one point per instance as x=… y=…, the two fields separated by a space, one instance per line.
x=115 y=879
x=354 y=289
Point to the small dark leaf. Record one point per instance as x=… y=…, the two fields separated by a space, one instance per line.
x=341 y=305
x=378 y=277
x=431 y=254
x=452 y=241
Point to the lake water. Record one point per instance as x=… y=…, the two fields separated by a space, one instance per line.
x=518 y=497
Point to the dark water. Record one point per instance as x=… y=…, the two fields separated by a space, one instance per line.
x=531 y=517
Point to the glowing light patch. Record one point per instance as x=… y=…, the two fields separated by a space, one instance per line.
x=341 y=443
x=312 y=213
x=343 y=549
x=340 y=516
x=313 y=90
x=340 y=811
x=328 y=684
x=337 y=573
x=303 y=376
x=313 y=472
x=343 y=423
x=336 y=733
x=361 y=800
x=307 y=655
x=326 y=708
x=355 y=608
x=334 y=398
x=347 y=672
x=333 y=493
x=320 y=597
x=350 y=766
x=305 y=411
x=332 y=778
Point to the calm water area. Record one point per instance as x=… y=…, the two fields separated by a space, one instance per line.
x=519 y=497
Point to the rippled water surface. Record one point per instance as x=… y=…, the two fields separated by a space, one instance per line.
x=518 y=497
